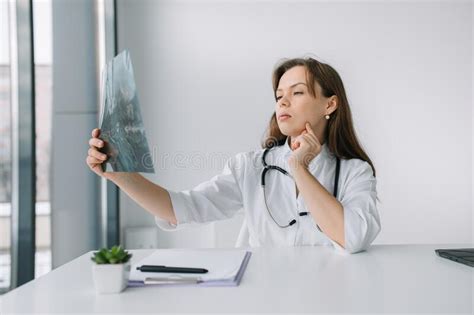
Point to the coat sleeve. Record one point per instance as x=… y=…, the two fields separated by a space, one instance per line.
x=216 y=199
x=361 y=216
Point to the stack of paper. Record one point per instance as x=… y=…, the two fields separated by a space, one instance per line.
x=225 y=267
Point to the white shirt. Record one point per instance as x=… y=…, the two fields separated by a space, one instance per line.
x=238 y=188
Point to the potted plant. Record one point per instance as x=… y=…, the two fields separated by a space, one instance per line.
x=111 y=269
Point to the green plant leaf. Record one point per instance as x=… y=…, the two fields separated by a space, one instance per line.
x=114 y=255
x=100 y=259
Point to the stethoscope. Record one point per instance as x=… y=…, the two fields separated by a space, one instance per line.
x=267 y=168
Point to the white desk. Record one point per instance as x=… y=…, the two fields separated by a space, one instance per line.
x=389 y=278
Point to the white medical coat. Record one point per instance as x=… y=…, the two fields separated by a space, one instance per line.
x=238 y=188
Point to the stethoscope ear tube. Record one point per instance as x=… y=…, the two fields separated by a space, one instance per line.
x=263 y=176
x=336 y=177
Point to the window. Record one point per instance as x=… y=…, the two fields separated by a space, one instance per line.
x=5 y=148
x=42 y=25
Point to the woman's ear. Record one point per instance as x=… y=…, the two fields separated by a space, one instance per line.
x=331 y=105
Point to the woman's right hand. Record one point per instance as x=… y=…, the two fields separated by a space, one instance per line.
x=95 y=158
x=152 y=197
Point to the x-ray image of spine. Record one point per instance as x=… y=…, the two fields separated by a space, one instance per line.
x=121 y=122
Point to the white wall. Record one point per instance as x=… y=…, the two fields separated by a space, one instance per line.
x=203 y=71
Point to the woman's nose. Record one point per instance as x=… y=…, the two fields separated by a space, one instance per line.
x=283 y=102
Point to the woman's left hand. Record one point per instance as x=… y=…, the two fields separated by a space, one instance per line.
x=305 y=148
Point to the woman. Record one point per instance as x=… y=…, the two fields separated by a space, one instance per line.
x=312 y=184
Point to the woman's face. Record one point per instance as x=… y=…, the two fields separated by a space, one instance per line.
x=295 y=105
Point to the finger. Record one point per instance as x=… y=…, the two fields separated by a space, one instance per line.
x=96 y=133
x=311 y=132
x=312 y=141
x=94 y=153
x=96 y=142
x=315 y=139
x=295 y=144
x=300 y=140
x=92 y=160
x=309 y=129
x=309 y=138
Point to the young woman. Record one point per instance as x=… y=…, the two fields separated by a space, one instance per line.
x=311 y=184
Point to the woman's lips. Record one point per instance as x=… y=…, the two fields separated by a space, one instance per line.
x=284 y=117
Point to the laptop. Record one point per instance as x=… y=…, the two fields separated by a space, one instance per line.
x=461 y=255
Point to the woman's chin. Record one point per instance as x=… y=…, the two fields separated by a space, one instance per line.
x=290 y=132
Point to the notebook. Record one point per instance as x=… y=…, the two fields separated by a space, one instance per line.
x=225 y=267
x=462 y=255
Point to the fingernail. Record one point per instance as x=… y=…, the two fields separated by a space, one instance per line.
x=101 y=143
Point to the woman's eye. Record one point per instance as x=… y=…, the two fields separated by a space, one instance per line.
x=278 y=97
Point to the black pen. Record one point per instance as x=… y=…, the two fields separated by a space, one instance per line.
x=154 y=268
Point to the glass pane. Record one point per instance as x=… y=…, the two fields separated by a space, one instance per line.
x=42 y=26
x=5 y=148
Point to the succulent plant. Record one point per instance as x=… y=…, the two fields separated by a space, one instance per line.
x=115 y=255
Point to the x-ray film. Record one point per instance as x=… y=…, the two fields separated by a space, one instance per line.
x=121 y=121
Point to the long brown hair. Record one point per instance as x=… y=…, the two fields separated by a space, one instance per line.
x=339 y=134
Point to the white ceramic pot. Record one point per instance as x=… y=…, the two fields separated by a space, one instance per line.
x=110 y=278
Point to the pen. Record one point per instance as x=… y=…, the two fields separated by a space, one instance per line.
x=168 y=280
x=153 y=268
